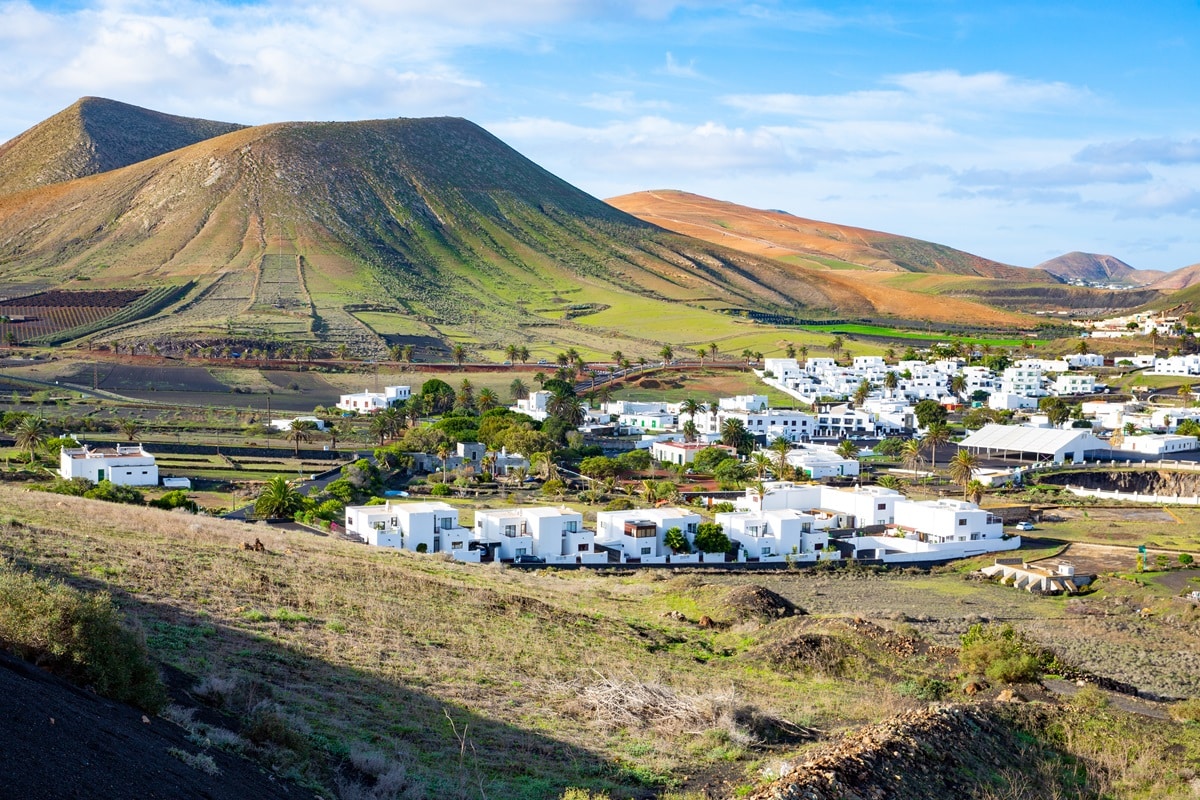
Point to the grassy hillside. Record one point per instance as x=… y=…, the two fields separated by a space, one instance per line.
x=95 y=135
x=433 y=221
x=372 y=668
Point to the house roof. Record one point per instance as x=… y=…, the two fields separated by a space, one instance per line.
x=1021 y=438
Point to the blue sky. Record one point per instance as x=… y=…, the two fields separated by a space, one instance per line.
x=1017 y=131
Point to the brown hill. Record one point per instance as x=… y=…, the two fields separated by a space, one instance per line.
x=1094 y=268
x=96 y=135
x=1182 y=278
x=777 y=234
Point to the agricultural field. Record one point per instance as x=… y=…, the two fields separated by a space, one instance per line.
x=23 y=319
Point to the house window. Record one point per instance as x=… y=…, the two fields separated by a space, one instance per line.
x=520 y=551
x=766 y=551
x=691 y=527
x=646 y=551
x=571 y=527
x=962 y=522
x=752 y=530
x=881 y=507
x=446 y=523
x=583 y=548
x=456 y=545
x=510 y=530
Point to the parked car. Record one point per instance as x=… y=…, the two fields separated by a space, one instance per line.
x=1024 y=526
x=528 y=559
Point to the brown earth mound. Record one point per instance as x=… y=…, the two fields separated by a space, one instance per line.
x=745 y=603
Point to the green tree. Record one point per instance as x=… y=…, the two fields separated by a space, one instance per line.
x=130 y=426
x=735 y=435
x=710 y=538
x=459 y=354
x=30 y=432
x=666 y=353
x=929 y=412
x=936 y=434
x=487 y=400
x=847 y=449
x=278 y=498
x=517 y=390
x=962 y=469
x=301 y=430
x=780 y=446
x=675 y=539
x=912 y=457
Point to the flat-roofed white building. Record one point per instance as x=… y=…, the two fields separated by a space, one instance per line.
x=122 y=464
x=1057 y=445
x=821 y=462
x=422 y=527
x=777 y=535
x=1158 y=444
x=555 y=534
x=370 y=402
x=639 y=532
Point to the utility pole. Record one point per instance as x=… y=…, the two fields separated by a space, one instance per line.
x=268 y=436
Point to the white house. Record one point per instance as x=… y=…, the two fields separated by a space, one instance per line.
x=286 y=424
x=675 y=452
x=369 y=402
x=1070 y=383
x=639 y=532
x=423 y=527
x=555 y=534
x=778 y=535
x=822 y=462
x=124 y=464
x=1158 y=444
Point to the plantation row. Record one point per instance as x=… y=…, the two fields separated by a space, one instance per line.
x=146 y=304
x=46 y=320
x=104 y=298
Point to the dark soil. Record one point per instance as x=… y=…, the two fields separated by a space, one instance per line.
x=61 y=741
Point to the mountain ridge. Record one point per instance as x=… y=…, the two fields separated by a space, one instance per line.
x=95 y=135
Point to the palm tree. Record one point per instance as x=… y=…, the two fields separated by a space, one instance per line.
x=780 y=447
x=650 y=491
x=379 y=427
x=958 y=384
x=1185 y=392
x=691 y=407
x=803 y=352
x=523 y=353
x=974 y=491
x=936 y=434
x=666 y=353
x=278 y=499
x=962 y=468
x=912 y=457
x=339 y=430
x=407 y=353
x=541 y=379
x=568 y=407
x=862 y=392
x=130 y=426
x=30 y=432
x=443 y=452
x=890 y=381
x=734 y=434
x=517 y=390
x=487 y=400
x=847 y=449
x=690 y=432
x=511 y=352
x=544 y=464
x=618 y=357
x=301 y=430
x=835 y=345
x=415 y=408
x=889 y=482
x=459 y=354
x=393 y=419
x=790 y=350
x=761 y=463
x=712 y=351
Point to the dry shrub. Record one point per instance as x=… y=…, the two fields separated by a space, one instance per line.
x=1186 y=710
x=616 y=704
x=386 y=778
x=811 y=653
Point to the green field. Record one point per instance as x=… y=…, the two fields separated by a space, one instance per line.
x=854 y=329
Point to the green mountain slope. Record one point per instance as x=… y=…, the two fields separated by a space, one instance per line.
x=96 y=135
x=434 y=220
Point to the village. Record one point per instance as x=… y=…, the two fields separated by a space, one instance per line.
x=801 y=498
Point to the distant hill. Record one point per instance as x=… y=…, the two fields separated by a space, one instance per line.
x=1182 y=278
x=1093 y=268
x=96 y=135
x=436 y=221
x=778 y=234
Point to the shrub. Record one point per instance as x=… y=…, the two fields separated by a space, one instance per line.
x=176 y=498
x=440 y=490
x=1186 y=710
x=1186 y=559
x=675 y=540
x=78 y=636
x=1001 y=654
x=711 y=538
x=929 y=689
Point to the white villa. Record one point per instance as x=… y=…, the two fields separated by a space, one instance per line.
x=638 y=533
x=554 y=534
x=780 y=535
x=428 y=527
x=124 y=464
x=369 y=402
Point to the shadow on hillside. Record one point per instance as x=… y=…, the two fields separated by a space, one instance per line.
x=306 y=715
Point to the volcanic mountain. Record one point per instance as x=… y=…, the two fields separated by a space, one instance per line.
x=1094 y=268
x=96 y=135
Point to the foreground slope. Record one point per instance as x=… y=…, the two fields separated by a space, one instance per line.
x=96 y=135
x=456 y=680
x=434 y=220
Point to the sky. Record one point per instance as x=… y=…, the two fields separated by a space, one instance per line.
x=1016 y=131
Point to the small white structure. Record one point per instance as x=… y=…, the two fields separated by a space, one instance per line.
x=286 y=424
x=427 y=527
x=533 y=406
x=177 y=483
x=554 y=534
x=822 y=462
x=639 y=532
x=369 y=402
x=124 y=464
x=673 y=452
x=780 y=535
x=1159 y=444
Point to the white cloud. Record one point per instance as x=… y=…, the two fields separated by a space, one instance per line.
x=678 y=70
x=1138 y=151
x=623 y=103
